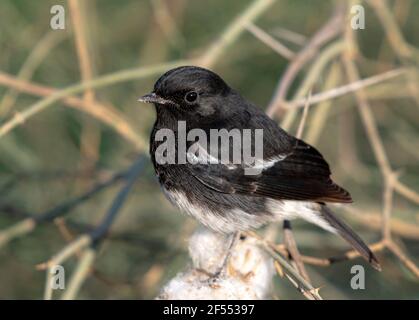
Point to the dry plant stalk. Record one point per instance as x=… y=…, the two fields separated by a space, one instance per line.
x=90 y=136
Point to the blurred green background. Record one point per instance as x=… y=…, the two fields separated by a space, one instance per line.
x=61 y=152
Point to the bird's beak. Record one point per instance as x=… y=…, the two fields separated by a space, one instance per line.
x=154 y=98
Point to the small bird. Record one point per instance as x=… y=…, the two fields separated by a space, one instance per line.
x=293 y=179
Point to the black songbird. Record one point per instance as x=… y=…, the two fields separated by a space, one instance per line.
x=293 y=179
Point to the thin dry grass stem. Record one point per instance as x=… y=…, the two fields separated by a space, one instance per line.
x=391 y=27
x=63 y=229
x=406 y=52
x=66 y=233
x=324 y=262
x=86 y=258
x=293 y=252
x=163 y=31
x=388 y=193
x=48 y=289
x=329 y=30
x=289 y=35
x=78 y=23
x=68 y=236
x=90 y=135
x=320 y=114
x=292 y=274
x=349 y=255
x=304 y=116
x=374 y=221
x=270 y=41
x=167 y=23
x=310 y=80
x=71 y=249
x=348 y=88
x=406 y=192
x=38 y=54
x=106 y=114
x=62 y=256
x=233 y=31
x=17 y=230
x=401 y=11
x=82 y=271
x=398 y=252
x=368 y=120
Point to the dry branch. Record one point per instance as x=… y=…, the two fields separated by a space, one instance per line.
x=106 y=114
x=329 y=30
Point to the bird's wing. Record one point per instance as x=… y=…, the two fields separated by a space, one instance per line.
x=299 y=174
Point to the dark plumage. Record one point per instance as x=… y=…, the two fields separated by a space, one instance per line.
x=294 y=179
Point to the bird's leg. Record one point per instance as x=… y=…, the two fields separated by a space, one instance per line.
x=223 y=268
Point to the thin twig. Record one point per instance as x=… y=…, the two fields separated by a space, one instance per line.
x=167 y=23
x=90 y=135
x=106 y=114
x=315 y=71
x=82 y=271
x=270 y=41
x=302 y=285
x=28 y=225
x=348 y=88
x=131 y=176
x=395 y=36
x=289 y=35
x=329 y=30
x=233 y=31
x=292 y=248
x=398 y=252
x=374 y=221
x=68 y=251
x=34 y=59
x=321 y=113
x=304 y=117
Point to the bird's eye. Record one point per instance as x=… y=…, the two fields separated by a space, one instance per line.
x=191 y=97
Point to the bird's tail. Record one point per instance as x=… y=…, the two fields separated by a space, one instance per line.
x=350 y=236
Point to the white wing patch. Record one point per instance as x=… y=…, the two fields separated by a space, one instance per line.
x=266 y=164
x=198 y=155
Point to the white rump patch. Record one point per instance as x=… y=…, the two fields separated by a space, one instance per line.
x=290 y=209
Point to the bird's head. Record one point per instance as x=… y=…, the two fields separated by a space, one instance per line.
x=190 y=93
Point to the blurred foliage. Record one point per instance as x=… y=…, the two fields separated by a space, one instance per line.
x=41 y=163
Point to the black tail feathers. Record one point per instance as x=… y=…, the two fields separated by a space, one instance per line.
x=350 y=236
